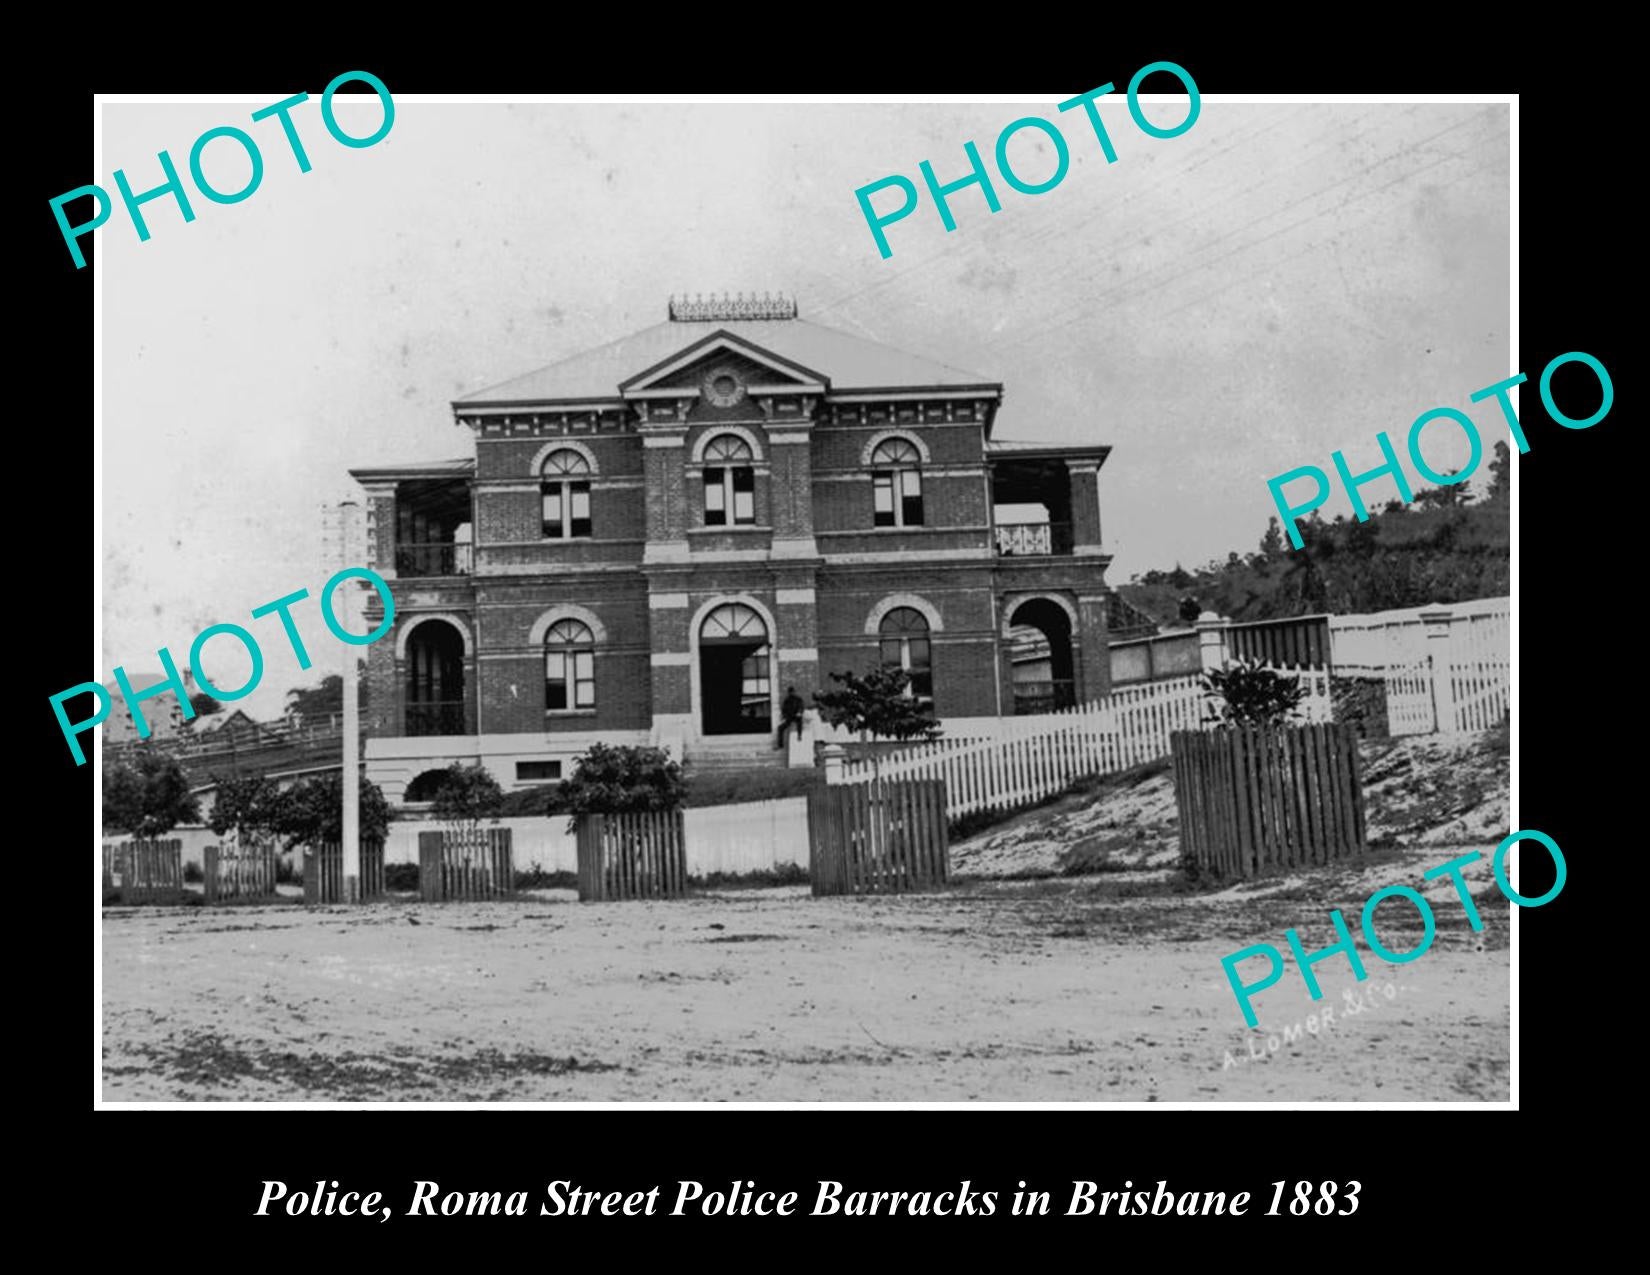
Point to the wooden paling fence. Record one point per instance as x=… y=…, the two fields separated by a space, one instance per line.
x=245 y=871
x=458 y=865
x=1028 y=758
x=148 y=871
x=1255 y=798
x=881 y=837
x=638 y=855
x=324 y=872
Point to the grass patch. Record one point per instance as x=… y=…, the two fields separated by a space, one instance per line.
x=735 y=787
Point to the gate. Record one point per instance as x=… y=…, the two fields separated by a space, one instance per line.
x=640 y=855
x=324 y=872
x=149 y=871
x=244 y=870
x=465 y=865
x=881 y=837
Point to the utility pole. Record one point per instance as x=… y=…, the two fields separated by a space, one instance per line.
x=345 y=545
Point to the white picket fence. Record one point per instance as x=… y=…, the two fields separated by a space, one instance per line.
x=1028 y=758
x=1453 y=678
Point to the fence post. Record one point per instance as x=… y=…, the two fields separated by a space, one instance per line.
x=1440 y=649
x=211 y=856
x=834 y=754
x=1211 y=640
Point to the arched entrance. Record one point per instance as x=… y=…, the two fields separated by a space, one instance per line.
x=735 y=677
x=435 y=679
x=425 y=785
x=1040 y=657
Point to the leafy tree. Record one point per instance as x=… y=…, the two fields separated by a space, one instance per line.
x=311 y=813
x=317 y=703
x=147 y=796
x=1247 y=693
x=877 y=703
x=1500 y=472
x=467 y=798
x=613 y=780
x=250 y=805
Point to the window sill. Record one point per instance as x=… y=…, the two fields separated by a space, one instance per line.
x=740 y=527
x=569 y=712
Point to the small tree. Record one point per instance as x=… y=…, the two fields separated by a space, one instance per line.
x=1247 y=693
x=614 y=780
x=877 y=703
x=204 y=705
x=311 y=813
x=249 y=805
x=148 y=796
x=467 y=798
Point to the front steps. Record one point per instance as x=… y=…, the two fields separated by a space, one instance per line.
x=735 y=752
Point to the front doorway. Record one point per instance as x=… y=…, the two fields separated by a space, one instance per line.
x=735 y=686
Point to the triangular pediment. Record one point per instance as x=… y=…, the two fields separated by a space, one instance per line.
x=756 y=368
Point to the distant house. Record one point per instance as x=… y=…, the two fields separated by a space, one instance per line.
x=163 y=713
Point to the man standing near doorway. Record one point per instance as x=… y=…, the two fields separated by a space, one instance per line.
x=790 y=714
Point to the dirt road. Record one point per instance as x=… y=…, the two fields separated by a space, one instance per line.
x=1099 y=988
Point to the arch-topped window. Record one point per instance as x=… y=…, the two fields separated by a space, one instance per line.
x=569 y=666
x=564 y=484
x=730 y=482
x=904 y=637
x=896 y=483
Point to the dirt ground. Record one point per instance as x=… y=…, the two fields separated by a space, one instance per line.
x=1104 y=987
x=1070 y=961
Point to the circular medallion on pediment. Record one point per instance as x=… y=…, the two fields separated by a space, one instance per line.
x=722 y=387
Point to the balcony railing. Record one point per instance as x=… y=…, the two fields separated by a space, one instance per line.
x=447 y=559
x=1029 y=539
x=436 y=717
x=1044 y=697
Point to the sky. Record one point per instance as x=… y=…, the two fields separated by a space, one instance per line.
x=1276 y=283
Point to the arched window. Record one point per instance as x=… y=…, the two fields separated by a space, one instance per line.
x=730 y=482
x=896 y=483
x=904 y=634
x=569 y=666
x=565 y=485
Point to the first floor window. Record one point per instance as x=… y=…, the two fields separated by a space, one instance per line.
x=569 y=666
x=905 y=645
x=896 y=484
x=730 y=482
x=565 y=487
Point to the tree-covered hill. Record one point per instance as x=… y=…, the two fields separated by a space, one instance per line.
x=1448 y=545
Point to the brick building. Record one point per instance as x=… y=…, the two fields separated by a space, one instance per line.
x=654 y=540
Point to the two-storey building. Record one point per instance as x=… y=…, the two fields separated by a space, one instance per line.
x=653 y=541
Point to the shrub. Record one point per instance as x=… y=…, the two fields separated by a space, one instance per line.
x=249 y=804
x=1247 y=693
x=148 y=796
x=467 y=797
x=617 y=780
x=192 y=873
x=401 y=877
x=312 y=812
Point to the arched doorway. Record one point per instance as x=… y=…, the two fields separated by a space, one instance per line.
x=425 y=785
x=435 y=679
x=735 y=678
x=1040 y=658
